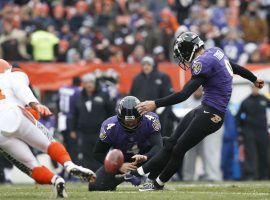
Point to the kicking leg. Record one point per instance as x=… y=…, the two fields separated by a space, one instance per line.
x=159 y=161
x=201 y=126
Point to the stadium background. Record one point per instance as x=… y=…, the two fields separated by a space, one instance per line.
x=116 y=34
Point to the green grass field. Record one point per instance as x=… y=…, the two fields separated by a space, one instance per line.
x=183 y=191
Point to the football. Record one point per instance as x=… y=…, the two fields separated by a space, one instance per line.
x=113 y=161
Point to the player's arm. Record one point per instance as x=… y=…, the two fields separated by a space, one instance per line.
x=100 y=150
x=156 y=143
x=20 y=85
x=245 y=73
x=191 y=86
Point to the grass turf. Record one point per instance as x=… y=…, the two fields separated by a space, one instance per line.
x=183 y=191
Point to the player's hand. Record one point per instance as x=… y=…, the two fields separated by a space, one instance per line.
x=146 y=106
x=41 y=109
x=127 y=167
x=33 y=112
x=73 y=135
x=139 y=159
x=259 y=83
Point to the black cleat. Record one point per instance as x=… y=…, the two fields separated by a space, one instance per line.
x=150 y=186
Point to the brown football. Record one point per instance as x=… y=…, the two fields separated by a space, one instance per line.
x=113 y=161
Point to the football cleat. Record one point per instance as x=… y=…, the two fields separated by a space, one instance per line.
x=150 y=186
x=134 y=180
x=81 y=172
x=60 y=188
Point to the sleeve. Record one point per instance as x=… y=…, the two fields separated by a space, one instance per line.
x=104 y=131
x=33 y=39
x=104 y=143
x=154 y=134
x=199 y=68
x=54 y=39
x=243 y=72
x=100 y=150
x=20 y=85
x=153 y=122
x=191 y=86
x=156 y=143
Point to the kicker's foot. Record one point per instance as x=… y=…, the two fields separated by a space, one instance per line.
x=134 y=180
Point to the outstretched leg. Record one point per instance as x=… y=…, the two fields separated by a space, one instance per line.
x=201 y=126
x=22 y=157
x=37 y=136
x=160 y=160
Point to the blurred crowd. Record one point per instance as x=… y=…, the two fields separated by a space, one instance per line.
x=116 y=31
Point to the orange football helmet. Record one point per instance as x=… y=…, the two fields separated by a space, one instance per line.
x=4 y=66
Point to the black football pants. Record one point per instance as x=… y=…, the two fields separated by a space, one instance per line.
x=107 y=182
x=193 y=128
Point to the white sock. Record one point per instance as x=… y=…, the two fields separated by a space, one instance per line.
x=140 y=171
x=8 y=175
x=160 y=182
x=54 y=178
x=68 y=163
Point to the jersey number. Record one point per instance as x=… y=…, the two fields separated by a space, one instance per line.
x=109 y=126
x=149 y=117
x=2 y=96
x=229 y=67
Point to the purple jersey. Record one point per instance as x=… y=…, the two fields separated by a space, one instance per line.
x=67 y=99
x=130 y=143
x=215 y=66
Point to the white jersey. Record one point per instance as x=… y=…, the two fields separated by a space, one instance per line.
x=14 y=89
x=14 y=92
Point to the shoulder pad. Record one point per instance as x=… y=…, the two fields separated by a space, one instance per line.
x=20 y=76
x=153 y=120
